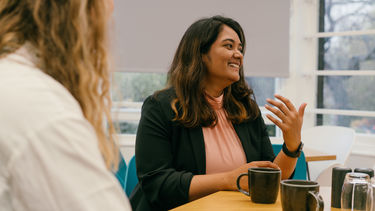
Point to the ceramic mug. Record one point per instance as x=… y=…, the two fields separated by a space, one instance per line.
x=301 y=195
x=263 y=184
x=338 y=176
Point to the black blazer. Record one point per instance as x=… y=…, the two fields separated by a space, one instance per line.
x=168 y=154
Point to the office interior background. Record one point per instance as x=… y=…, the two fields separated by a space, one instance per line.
x=321 y=52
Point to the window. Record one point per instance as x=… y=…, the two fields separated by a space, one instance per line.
x=264 y=88
x=346 y=64
x=129 y=90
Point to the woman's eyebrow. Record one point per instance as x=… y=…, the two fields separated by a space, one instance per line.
x=228 y=39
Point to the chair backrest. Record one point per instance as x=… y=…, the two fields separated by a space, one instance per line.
x=131 y=177
x=121 y=172
x=300 y=172
x=328 y=139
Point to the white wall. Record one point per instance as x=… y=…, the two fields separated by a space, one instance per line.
x=148 y=32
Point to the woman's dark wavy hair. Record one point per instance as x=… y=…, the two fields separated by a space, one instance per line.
x=188 y=71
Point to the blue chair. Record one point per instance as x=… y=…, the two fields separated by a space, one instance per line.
x=301 y=168
x=131 y=177
x=121 y=172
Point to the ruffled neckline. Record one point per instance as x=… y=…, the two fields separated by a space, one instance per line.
x=215 y=102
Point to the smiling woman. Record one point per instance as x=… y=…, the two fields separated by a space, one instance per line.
x=197 y=135
x=223 y=62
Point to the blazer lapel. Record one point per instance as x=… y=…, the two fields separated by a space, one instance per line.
x=197 y=141
x=243 y=135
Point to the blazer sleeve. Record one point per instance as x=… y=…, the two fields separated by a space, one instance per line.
x=162 y=185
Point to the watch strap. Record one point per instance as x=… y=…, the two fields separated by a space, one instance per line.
x=295 y=154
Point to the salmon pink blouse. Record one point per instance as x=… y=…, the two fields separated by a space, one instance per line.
x=224 y=151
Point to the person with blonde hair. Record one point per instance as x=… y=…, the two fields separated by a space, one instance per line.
x=55 y=149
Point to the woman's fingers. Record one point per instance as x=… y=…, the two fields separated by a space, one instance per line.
x=301 y=110
x=284 y=110
x=281 y=107
x=287 y=118
x=277 y=112
x=287 y=102
x=268 y=164
x=275 y=121
x=264 y=164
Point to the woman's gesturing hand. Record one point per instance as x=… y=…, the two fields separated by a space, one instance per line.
x=290 y=120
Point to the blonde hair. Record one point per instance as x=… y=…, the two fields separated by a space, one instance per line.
x=71 y=40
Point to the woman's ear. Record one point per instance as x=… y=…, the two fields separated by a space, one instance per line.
x=205 y=58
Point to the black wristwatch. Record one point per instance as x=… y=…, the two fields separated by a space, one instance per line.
x=295 y=154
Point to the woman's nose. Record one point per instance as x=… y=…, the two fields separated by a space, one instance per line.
x=237 y=54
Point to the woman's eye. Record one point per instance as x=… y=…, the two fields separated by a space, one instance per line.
x=228 y=46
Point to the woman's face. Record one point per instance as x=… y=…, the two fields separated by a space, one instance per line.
x=110 y=6
x=224 y=59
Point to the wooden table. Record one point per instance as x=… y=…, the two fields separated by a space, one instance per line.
x=316 y=155
x=233 y=200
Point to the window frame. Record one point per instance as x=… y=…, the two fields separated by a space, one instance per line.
x=304 y=44
x=337 y=72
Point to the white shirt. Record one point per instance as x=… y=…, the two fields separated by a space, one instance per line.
x=49 y=156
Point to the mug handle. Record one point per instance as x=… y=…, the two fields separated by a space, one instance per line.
x=315 y=202
x=239 y=186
